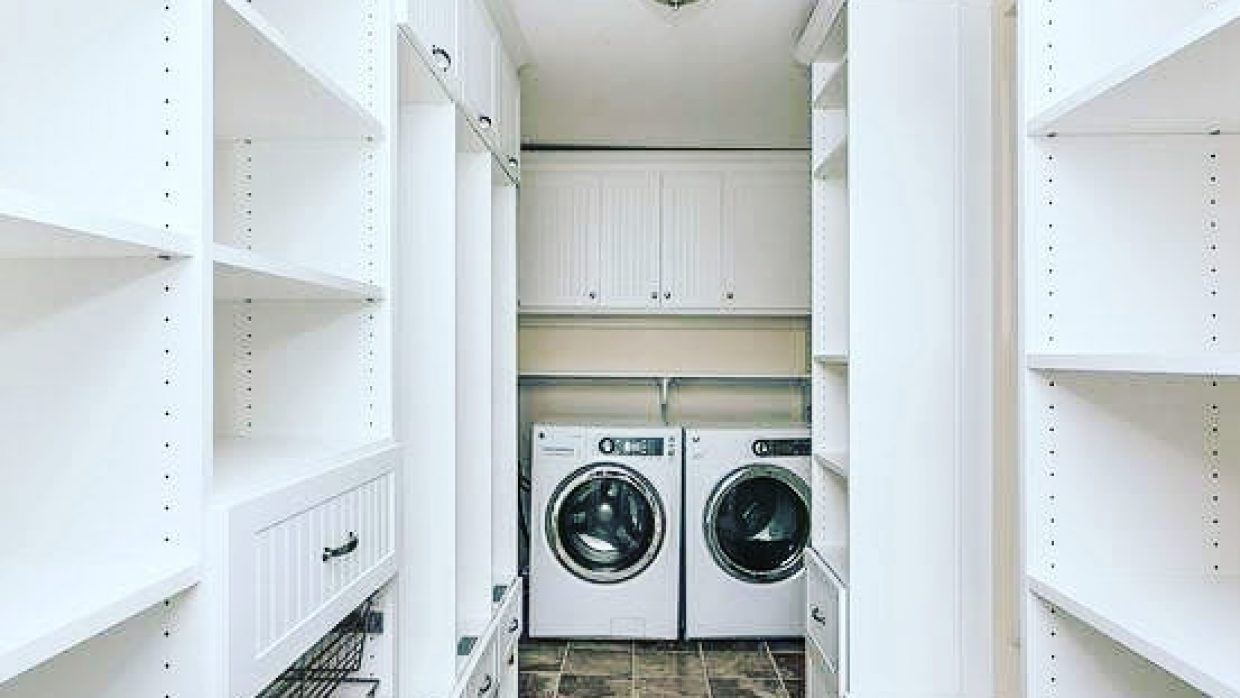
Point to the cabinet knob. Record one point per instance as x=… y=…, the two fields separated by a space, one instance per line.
x=514 y=625
x=513 y=162
x=484 y=121
x=654 y=295
x=442 y=58
x=730 y=295
x=485 y=688
x=593 y=295
x=667 y=295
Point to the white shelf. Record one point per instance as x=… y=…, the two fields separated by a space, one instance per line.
x=833 y=164
x=832 y=359
x=244 y=274
x=833 y=93
x=264 y=88
x=1152 y=364
x=34 y=227
x=249 y=467
x=1187 y=83
x=1187 y=626
x=835 y=461
x=47 y=611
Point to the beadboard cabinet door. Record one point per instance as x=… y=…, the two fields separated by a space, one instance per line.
x=434 y=23
x=559 y=233
x=629 y=240
x=479 y=44
x=692 y=240
x=766 y=241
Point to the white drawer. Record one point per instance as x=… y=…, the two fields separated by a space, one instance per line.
x=301 y=558
x=484 y=681
x=826 y=618
x=510 y=625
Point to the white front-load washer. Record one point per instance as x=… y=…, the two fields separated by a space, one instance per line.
x=605 y=533
x=747 y=524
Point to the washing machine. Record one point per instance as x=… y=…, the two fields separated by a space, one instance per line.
x=747 y=524
x=605 y=532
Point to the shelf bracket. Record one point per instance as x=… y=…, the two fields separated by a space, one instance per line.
x=665 y=388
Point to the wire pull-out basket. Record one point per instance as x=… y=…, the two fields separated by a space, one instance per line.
x=330 y=663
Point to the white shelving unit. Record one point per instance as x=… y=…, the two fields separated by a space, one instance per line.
x=831 y=231
x=100 y=226
x=456 y=366
x=1129 y=398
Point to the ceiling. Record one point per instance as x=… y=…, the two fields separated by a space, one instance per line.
x=720 y=73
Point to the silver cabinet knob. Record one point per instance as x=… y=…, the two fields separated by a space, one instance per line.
x=667 y=295
x=593 y=295
x=442 y=58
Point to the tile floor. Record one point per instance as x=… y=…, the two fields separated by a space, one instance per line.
x=712 y=669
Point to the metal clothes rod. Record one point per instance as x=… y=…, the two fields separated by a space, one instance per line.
x=664 y=381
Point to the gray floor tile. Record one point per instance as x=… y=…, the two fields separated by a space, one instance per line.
x=593 y=662
x=572 y=686
x=537 y=684
x=732 y=645
x=790 y=666
x=746 y=688
x=542 y=655
x=669 y=664
x=755 y=664
x=680 y=687
x=659 y=646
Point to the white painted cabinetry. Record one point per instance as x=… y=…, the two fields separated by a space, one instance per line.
x=680 y=234
x=434 y=26
x=628 y=240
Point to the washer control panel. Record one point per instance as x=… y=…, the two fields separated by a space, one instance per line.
x=634 y=446
x=781 y=448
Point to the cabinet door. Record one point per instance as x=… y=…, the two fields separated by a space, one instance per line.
x=558 y=250
x=434 y=22
x=478 y=59
x=507 y=95
x=629 y=240
x=767 y=241
x=692 y=211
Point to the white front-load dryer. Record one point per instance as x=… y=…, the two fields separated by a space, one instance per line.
x=605 y=533
x=747 y=524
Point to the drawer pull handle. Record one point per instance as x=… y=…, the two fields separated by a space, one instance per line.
x=442 y=58
x=349 y=547
x=514 y=625
x=818 y=616
x=512 y=658
x=484 y=121
x=485 y=688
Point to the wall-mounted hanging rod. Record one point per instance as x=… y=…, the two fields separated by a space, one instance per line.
x=664 y=382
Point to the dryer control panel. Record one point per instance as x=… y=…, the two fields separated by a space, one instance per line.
x=781 y=448
x=633 y=446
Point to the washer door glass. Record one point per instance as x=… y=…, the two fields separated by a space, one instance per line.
x=758 y=523
x=606 y=523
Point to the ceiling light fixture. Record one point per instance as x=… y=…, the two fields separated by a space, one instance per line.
x=675 y=4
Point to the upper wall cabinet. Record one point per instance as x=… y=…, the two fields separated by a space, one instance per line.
x=479 y=43
x=678 y=233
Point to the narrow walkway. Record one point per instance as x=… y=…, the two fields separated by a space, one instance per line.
x=710 y=669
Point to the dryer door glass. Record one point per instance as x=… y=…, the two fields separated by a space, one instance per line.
x=757 y=523
x=606 y=523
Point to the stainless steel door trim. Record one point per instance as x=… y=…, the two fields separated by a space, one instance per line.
x=710 y=516
x=601 y=471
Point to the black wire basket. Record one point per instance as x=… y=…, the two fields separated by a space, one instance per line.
x=330 y=663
